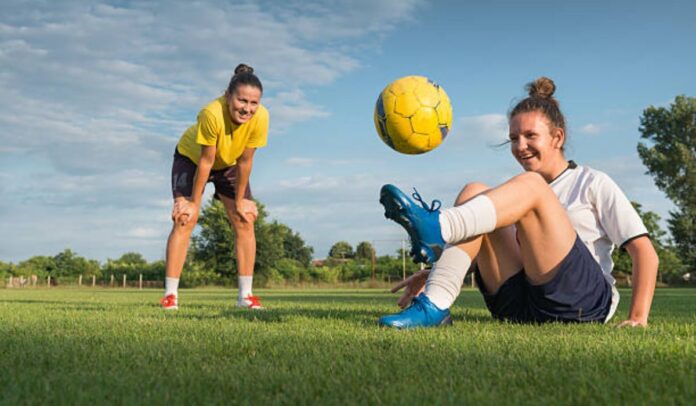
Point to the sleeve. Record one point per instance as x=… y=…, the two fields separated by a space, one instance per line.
x=616 y=213
x=259 y=137
x=208 y=128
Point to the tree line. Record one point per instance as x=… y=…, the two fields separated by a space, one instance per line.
x=282 y=258
x=668 y=151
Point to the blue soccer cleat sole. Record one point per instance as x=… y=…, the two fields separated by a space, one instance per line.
x=394 y=201
x=447 y=321
x=422 y=313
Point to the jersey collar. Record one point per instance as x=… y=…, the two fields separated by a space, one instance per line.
x=571 y=165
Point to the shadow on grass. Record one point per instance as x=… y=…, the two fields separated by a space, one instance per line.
x=33 y=301
x=364 y=318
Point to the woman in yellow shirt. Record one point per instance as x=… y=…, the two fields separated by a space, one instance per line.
x=219 y=148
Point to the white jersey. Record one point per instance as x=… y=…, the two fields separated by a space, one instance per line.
x=599 y=211
x=601 y=214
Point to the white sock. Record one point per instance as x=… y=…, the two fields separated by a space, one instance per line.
x=445 y=280
x=475 y=217
x=244 y=286
x=171 y=286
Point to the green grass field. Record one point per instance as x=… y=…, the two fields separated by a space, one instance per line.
x=85 y=346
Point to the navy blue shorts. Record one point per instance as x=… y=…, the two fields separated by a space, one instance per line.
x=184 y=170
x=577 y=293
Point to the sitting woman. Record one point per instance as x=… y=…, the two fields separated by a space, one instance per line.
x=542 y=241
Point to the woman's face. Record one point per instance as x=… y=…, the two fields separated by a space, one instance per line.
x=243 y=103
x=534 y=144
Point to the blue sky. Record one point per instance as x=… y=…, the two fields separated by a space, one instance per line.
x=94 y=96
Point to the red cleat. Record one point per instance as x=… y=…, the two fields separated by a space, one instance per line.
x=169 y=302
x=250 y=302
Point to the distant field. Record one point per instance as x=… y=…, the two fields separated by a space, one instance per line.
x=86 y=346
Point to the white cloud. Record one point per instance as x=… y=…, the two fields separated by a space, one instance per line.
x=306 y=162
x=145 y=233
x=291 y=107
x=311 y=183
x=95 y=96
x=356 y=19
x=590 y=129
x=299 y=161
x=488 y=128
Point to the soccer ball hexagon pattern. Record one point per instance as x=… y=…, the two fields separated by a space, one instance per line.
x=413 y=115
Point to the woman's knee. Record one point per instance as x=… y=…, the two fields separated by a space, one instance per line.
x=469 y=191
x=243 y=229
x=185 y=229
x=532 y=180
x=535 y=185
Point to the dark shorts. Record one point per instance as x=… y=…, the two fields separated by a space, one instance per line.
x=578 y=292
x=184 y=170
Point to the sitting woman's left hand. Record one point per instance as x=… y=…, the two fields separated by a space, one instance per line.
x=632 y=323
x=413 y=285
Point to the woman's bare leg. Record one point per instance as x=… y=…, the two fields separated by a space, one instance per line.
x=245 y=239
x=496 y=253
x=177 y=246
x=543 y=229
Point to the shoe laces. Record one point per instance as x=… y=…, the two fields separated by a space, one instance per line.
x=417 y=302
x=434 y=205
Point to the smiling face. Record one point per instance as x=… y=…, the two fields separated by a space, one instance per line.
x=536 y=146
x=243 y=103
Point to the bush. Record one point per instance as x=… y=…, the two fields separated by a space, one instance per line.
x=325 y=274
x=195 y=275
x=290 y=270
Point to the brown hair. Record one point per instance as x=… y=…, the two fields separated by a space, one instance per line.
x=243 y=75
x=541 y=99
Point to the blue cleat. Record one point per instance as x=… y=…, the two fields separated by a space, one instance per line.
x=421 y=222
x=421 y=313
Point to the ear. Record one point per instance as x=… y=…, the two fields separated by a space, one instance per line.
x=558 y=137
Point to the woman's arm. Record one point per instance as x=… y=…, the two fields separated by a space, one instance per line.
x=244 y=165
x=189 y=208
x=205 y=164
x=645 y=263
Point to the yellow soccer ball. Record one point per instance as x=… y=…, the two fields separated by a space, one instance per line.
x=413 y=115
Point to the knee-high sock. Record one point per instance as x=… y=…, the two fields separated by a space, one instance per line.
x=475 y=217
x=446 y=278
x=171 y=286
x=245 y=283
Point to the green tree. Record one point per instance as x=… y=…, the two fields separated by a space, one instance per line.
x=395 y=266
x=68 y=265
x=294 y=247
x=155 y=271
x=341 y=250
x=133 y=258
x=6 y=270
x=38 y=265
x=670 y=266
x=670 y=158
x=132 y=264
x=364 y=250
x=213 y=247
x=269 y=245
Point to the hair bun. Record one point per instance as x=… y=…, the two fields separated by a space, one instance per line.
x=243 y=68
x=542 y=88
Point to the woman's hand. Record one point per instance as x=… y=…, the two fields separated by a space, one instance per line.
x=247 y=210
x=184 y=210
x=413 y=285
x=632 y=323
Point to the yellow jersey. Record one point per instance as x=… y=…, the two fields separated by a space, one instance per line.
x=214 y=127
